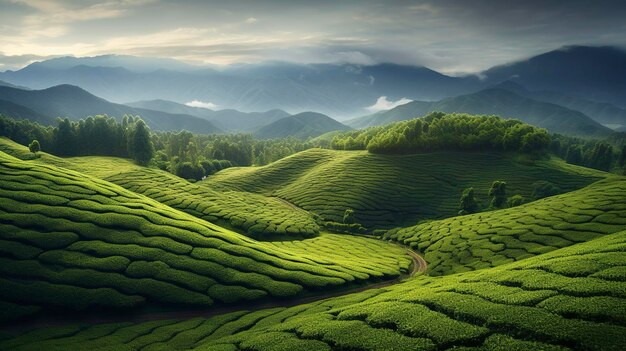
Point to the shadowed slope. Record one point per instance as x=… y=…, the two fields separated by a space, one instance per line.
x=390 y=191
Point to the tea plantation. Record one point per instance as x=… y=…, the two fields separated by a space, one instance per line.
x=571 y=298
x=489 y=239
x=251 y=214
x=80 y=236
x=390 y=191
x=72 y=241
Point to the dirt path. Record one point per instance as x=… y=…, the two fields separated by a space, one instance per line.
x=419 y=266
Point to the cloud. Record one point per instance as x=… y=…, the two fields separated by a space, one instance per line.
x=202 y=104
x=383 y=104
x=251 y=20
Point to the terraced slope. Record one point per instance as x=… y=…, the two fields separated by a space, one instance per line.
x=490 y=239
x=76 y=242
x=391 y=191
x=571 y=298
x=251 y=214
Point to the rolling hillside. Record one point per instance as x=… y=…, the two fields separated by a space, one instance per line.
x=490 y=239
x=492 y=101
x=388 y=190
x=303 y=126
x=76 y=103
x=540 y=303
x=228 y=120
x=246 y=213
x=75 y=242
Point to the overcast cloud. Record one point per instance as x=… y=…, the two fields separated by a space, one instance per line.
x=451 y=36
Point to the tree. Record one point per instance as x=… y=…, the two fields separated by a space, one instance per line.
x=348 y=217
x=142 y=149
x=468 y=203
x=574 y=155
x=497 y=193
x=621 y=161
x=543 y=189
x=516 y=200
x=34 y=147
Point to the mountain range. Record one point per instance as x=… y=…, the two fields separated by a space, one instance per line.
x=75 y=103
x=229 y=120
x=303 y=126
x=495 y=101
x=343 y=91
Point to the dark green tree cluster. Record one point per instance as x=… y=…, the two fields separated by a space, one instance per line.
x=497 y=193
x=99 y=135
x=439 y=131
x=468 y=204
x=603 y=155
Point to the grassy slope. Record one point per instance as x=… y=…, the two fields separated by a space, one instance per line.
x=489 y=239
x=570 y=298
x=391 y=191
x=75 y=241
x=251 y=214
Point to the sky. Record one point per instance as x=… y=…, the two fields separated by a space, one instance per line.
x=450 y=36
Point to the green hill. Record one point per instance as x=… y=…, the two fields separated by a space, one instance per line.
x=571 y=298
x=395 y=190
x=302 y=126
x=75 y=242
x=247 y=213
x=501 y=102
x=489 y=239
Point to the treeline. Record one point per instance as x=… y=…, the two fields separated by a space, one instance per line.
x=99 y=135
x=193 y=156
x=190 y=156
x=439 y=131
x=605 y=155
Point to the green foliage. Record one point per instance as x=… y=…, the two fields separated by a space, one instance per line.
x=516 y=200
x=348 y=217
x=543 y=189
x=141 y=148
x=497 y=193
x=468 y=203
x=440 y=131
x=34 y=147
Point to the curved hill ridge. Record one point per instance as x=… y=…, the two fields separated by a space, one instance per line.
x=76 y=242
x=391 y=190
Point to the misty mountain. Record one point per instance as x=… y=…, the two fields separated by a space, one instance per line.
x=507 y=104
x=593 y=73
x=604 y=113
x=17 y=111
x=228 y=120
x=596 y=74
x=303 y=126
x=336 y=89
x=76 y=103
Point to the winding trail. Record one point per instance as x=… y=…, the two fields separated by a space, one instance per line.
x=419 y=266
